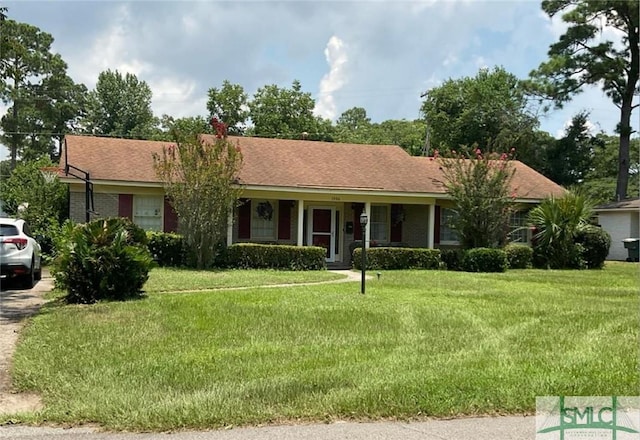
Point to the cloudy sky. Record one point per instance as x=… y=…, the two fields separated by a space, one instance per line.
x=380 y=55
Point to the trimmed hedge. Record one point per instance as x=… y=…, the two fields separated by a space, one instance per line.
x=519 y=256
x=269 y=256
x=484 y=260
x=394 y=258
x=167 y=248
x=596 y=243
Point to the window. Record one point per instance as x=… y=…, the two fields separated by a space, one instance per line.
x=447 y=233
x=263 y=215
x=8 y=230
x=147 y=212
x=379 y=223
x=518 y=232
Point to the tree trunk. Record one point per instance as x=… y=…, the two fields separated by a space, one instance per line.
x=14 y=137
x=625 y=113
x=623 y=152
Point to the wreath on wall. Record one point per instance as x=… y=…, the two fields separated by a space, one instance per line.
x=264 y=211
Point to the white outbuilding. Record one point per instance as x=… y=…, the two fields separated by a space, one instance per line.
x=622 y=221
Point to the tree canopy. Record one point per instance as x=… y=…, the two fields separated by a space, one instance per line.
x=120 y=106
x=582 y=56
x=44 y=100
x=229 y=105
x=489 y=110
x=282 y=112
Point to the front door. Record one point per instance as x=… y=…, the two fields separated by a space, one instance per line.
x=322 y=230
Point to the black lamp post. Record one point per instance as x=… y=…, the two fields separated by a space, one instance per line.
x=363 y=223
x=70 y=170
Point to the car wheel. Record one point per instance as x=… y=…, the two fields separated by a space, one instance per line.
x=38 y=274
x=30 y=279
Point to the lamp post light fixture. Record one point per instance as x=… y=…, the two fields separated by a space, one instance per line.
x=363 y=223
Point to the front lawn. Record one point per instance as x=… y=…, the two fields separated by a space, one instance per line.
x=419 y=343
x=165 y=279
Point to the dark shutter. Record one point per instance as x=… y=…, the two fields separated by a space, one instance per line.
x=357 y=229
x=125 y=206
x=244 y=219
x=284 y=220
x=436 y=227
x=396 y=226
x=170 y=217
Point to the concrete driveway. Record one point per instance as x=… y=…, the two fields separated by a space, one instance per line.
x=16 y=304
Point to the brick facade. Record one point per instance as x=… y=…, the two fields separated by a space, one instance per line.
x=106 y=205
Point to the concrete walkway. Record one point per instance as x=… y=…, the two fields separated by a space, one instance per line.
x=484 y=428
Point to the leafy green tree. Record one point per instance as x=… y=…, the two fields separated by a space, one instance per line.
x=229 y=104
x=569 y=158
x=120 y=106
x=26 y=194
x=583 y=57
x=190 y=124
x=600 y=182
x=353 y=126
x=33 y=80
x=282 y=112
x=200 y=179
x=480 y=187
x=410 y=135
x=489 y=110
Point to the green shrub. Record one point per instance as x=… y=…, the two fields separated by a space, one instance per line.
x=101 y=260
x=519 y=256
x=557 y=222
x=484 y=260
x=167 y=249
x=452 y=258
x=596 y=243
x=268 y=256
x=392 y=258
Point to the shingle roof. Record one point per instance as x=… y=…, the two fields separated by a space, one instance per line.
x=292 y=164
x=628 y=204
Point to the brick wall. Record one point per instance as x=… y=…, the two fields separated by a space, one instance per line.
x=106 y=205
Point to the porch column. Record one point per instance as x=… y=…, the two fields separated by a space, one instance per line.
x=230 y=227
x=431 y=226
x=300 y=222
x=367 y=236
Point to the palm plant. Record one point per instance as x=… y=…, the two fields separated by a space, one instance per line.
x=103 y=259
x=558 y=220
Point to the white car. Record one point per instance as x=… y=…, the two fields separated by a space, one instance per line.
x=20 y=254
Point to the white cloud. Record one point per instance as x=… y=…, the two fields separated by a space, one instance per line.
x=111 y=49
x=176 y=97
x=334 y=80
x=480 y=62
x=450 y=60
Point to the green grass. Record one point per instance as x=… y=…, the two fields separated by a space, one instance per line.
x=173 y=280
x=419 y=343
